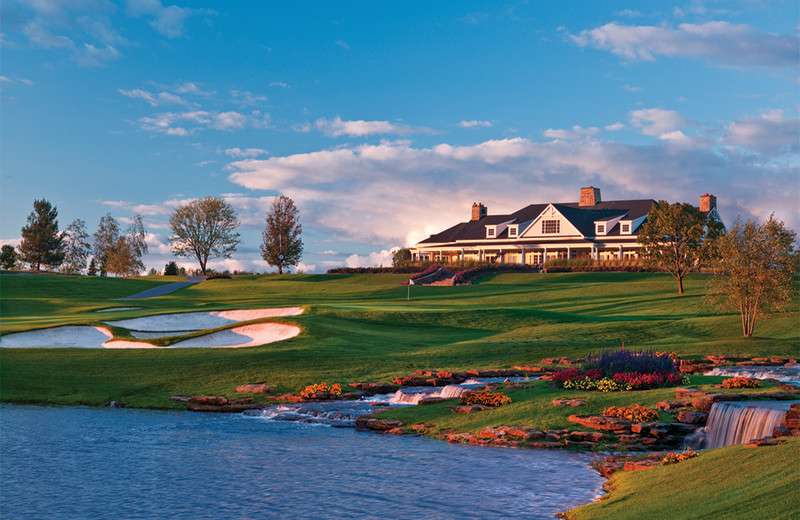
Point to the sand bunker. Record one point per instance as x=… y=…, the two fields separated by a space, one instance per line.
x=71 y=336
x=189 y=321
x=244 y=336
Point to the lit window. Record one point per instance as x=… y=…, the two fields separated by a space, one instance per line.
x=601 y=228
x=512 y=231
x=626 y=228
x=551 y=226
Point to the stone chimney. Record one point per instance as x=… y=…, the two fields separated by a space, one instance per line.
x=478 y=211
x=589 y=196
x=707 y=202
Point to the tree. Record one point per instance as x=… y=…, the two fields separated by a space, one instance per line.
x=282 y=246
x=120 y=254
x=92 y=271
x=672 y=237
x=76 y=247
x=401 y=256
x=204 y=229
x=8 y=257
x=171 y=269
x=41 y=242
x=755 y=265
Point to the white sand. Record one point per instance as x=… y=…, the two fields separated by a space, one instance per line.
x=80 y=336
x=237 y=337
x=201 y=320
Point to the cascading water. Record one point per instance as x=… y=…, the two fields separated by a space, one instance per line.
x=739 y=422
x=785 y=374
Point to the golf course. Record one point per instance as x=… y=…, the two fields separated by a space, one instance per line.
x=373 y=328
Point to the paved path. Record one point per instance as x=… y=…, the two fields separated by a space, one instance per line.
x=161 y=290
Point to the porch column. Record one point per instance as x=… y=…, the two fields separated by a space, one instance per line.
x=523 y=255
x=544 y=258
x=620 y=251
x=569 y=255
x=502 y=256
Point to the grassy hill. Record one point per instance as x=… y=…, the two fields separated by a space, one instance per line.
x=362 y=327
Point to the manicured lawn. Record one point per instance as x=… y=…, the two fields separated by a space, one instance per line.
x=361 y=328
x=725 y=483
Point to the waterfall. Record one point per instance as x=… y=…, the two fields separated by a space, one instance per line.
x=739 y=422
x=785 y=374
x=453 y=391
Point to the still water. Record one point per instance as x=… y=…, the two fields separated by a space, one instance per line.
x=76 y=463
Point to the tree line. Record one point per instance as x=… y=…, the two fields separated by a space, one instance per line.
x=202 y=229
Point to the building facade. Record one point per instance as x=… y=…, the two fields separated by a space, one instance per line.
x=589 y=228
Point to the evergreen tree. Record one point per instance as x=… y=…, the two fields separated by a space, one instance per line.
x=92 y=271
x=282 y=246
x=8 y=257
x=41 y=242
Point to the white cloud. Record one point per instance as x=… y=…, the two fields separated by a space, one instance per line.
x=306 y=268
x=342 y=44
x=247 y=152
x=657 y=121
x=186 y=123
x=614 y=127
x=168 y=21
x=337 y=127
x=473 y=123
x=728 y=43
x=248 y=98
x=576 y=132
x=631 y=88
x=374 y=259
x=279 y=84
x=154 y=100
x=771 y=134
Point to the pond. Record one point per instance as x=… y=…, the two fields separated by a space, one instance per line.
x=66 y=463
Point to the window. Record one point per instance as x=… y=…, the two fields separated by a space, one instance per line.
x=626 y=228
x=512 y=231
x=551 y=226
x=601 y=228
x=490 y=232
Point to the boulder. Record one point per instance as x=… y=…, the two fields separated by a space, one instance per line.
x=529 y=368
x=525 y=434
x=375 y=388
x=688 y=393
x=640 y=464
x=593 y=437
x=433 y=400
x=780 y=431
x=459 y=438
x=546 y=445
x=569 y=402
x=704 y=403
x=396 y=431
x=642 y=428
x=602 y=422
x=256 y=388
x=504 y=443
x=383 y=424
x=289 y=398
x=492 y=433
x=766 y=441
x=361 y=421
x=411 y=381
x=208 y=399
x=687 y=417
x=671 y=405
x=468 y=409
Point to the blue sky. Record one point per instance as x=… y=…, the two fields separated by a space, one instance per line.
x=384 y=121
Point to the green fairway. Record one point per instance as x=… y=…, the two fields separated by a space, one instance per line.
x=361 y=328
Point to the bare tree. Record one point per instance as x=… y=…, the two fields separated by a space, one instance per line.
x=755 y=264
x=282 y=246
x=204 y=229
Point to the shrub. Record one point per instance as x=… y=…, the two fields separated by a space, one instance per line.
x=485 y=398
x=643 y=362
x=674 y=458
x=321 y=388
x=634 y=413
x=741 y=382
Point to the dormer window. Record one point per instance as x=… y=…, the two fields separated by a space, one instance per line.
x=601 y=229
x=512 y=231
x=626 y=229
x=490 y=232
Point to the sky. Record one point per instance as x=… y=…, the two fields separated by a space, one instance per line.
x=385 y=121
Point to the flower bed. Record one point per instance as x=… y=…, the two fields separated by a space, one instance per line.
x=674 y=458
x=741 y=382
x=485 y=398
x=634 y=413
x=312 y=391
x=615 y=371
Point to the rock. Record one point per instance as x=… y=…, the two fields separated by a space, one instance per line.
x=525 y=434
x=671 y=405
x=780 y=431
x=529 y=368
x=379 y=403
x=642 y=428
x=593 y=437
x=361 y=421
x=545 y=445
x=376 y=388
x=411 y=381
x=569 y=402
x=383 y=424
x=695 y=369
x=224 y=408
x=640 y=464
x=433 y=400
x=779 y=361
x=208 y=399
x=288 y=398
x=793 y=424
x=468 y=409
x=396 y=431
x=704 y=403
x=630 y=438
x=686 y=417
x=606 y=469
x=581 y=444
x=256 y=388
x=602 y=422
x=688 y=393
x=492 y=433
x=504 y=443
x=766 y=441
x=459 y=438
x=116 y=404
x=423 y=427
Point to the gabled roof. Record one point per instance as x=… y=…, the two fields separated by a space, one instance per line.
x=582 y=217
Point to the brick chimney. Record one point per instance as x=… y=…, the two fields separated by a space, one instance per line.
x=478 y=211
x=589 y=196
x=707 y=202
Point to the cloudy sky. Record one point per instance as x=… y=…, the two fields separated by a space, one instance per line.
x=385 y=121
